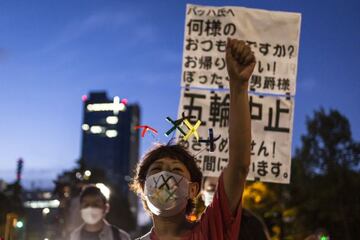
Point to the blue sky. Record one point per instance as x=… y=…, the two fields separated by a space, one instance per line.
x=53 y=52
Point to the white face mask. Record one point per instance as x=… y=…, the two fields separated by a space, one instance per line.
x=208 y=197
x=92 y=215
x=166 y=193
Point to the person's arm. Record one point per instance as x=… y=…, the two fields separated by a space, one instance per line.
x=240 y=62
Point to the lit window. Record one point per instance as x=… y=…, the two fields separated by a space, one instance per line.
x=111 y=133
x=112 y=120
x=85 y=127
x=42 y=204
x=116 y=106
x=96 y=129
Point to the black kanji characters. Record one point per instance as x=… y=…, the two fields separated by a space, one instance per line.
x=205 y=62
x=195 y=26
x=210 y=28
x=255 y=81
x=275 y=125
x=269 y=83
x=283 y=84
x=219 y=110
x=191 y=107
x=209 y=163
x=255 y=114
x=213 y=28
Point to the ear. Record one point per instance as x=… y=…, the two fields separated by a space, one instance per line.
x=107 y=208
x=193 y=189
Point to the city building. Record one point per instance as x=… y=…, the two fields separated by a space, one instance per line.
x=41 y=215
x=110 y=141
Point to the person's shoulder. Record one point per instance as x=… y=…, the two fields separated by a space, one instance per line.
x=123 y=235
x=75 y=234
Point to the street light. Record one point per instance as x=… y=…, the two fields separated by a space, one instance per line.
x=19 y=224
x=45 y=211
x=324 y=237
x=87 y=174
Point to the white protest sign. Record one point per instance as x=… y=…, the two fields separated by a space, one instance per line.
x=271 y=119
x=273 y=36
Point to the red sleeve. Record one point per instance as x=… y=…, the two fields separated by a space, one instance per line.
x=218 y=222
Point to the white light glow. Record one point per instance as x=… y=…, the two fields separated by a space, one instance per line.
x=96 y=129
x=19 y=224
x=102 y=107
x=42 y=204
x=87 y=173
x=45 y=211
x=116 y=106
x=85 y=127
x=116 y=99
x=112 y=120
x=47 y=195
x=111 y=133
x=104 y=189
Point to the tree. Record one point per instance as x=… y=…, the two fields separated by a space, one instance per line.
x=326 y=177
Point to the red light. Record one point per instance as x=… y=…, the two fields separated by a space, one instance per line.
x=124 y=101
x=84 y=98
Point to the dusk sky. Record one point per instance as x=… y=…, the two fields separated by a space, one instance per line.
x=53 y=52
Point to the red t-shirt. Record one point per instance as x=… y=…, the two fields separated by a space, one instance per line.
x=217 y=222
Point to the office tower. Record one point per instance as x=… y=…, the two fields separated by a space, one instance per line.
x=109 y=140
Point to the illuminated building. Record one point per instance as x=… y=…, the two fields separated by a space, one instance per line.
x=109 y=140
x=110 y=143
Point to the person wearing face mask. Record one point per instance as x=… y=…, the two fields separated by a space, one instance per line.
x=94 y=207
x=209 y=187
x=168 y=179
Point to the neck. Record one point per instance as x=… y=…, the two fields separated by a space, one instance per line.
x=171 y=226
x=95 y=227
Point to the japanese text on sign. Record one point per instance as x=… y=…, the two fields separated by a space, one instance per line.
x=273 y=36
x=271 y=131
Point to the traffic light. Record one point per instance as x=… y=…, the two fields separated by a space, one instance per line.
x=19 y=224
x=324 y=237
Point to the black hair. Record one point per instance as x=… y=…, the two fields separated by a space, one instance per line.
x=92 y=190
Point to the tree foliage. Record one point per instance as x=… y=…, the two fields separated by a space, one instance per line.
x=326 y=177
